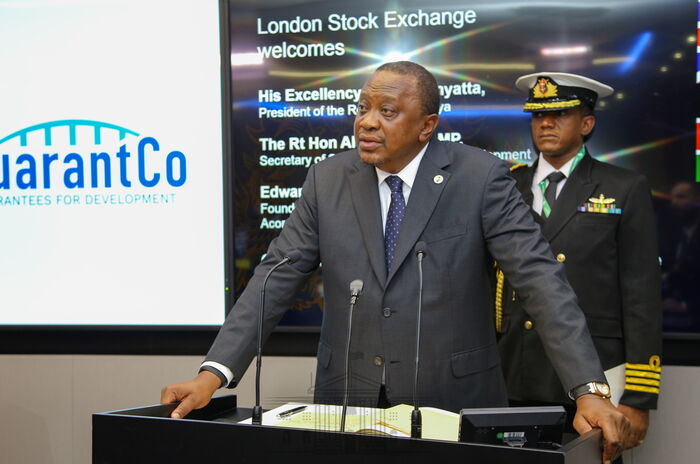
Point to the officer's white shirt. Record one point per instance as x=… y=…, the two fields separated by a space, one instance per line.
x=541 y=172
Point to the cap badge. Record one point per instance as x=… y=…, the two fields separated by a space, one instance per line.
x=544 y=88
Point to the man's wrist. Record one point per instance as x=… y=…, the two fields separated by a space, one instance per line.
x=209 y=371
x=223 y=372
x=600 y=389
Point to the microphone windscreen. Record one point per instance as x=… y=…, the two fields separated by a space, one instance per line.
x=420 y=247
x=293 y=256
x=356 y=287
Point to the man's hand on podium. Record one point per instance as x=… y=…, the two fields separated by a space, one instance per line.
x=639 y=421
x=193 y=394
x=595 y=411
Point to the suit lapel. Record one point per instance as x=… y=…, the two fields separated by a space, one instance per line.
x=425 y=194
x=365 y=200
x=576 y=191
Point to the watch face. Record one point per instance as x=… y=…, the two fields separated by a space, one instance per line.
x=596 y=388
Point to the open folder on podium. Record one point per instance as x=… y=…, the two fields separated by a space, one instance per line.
x=438 y=424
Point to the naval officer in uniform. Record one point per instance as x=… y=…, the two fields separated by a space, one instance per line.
x=600 y=223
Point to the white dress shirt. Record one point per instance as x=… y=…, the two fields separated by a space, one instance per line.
x=407 y=175
x=541 y=172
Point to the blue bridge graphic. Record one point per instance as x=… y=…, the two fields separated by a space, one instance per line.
x=72 y=124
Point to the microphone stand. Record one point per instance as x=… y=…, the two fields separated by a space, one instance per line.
x=257 y=409
x=416 y=419
x=355 y=290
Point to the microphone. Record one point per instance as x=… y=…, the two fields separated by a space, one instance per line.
x=291 y=257
x=416 y=419
x=355 y=291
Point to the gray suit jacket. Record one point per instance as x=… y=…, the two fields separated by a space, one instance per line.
x=475 y=214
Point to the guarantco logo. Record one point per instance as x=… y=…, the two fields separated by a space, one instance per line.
x=86 y=162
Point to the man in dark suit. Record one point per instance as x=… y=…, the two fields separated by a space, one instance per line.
x=600 y=223
x=361 y=214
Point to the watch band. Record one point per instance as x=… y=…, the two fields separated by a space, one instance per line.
x=601 y=389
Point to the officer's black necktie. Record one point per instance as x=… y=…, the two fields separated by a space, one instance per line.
x=550 y=194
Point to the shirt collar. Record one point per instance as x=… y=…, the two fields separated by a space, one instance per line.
x=408 y=173
x=544 y=169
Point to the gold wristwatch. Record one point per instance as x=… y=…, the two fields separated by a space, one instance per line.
x=601 y=389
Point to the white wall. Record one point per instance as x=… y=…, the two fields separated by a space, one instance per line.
x=673 y=434
x=46 y=402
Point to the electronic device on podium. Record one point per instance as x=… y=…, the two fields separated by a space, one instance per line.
x=528 y=427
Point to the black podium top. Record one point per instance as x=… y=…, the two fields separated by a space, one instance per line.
x=212 y=434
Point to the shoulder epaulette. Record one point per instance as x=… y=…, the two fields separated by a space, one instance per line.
x=517 y=166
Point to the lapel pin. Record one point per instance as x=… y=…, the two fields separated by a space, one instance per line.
x=438 y=179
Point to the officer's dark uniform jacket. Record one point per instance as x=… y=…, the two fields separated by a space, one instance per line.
x=602 y=228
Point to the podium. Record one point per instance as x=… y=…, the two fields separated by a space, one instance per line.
x=212 y=434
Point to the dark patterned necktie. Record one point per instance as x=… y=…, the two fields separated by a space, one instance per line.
x=397 y=210
x=550 y=194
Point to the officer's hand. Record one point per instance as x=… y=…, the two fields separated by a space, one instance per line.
x=639 y=422
x=193 y=394
x=594 y=411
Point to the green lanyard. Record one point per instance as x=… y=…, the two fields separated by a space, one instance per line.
x=546 y=208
